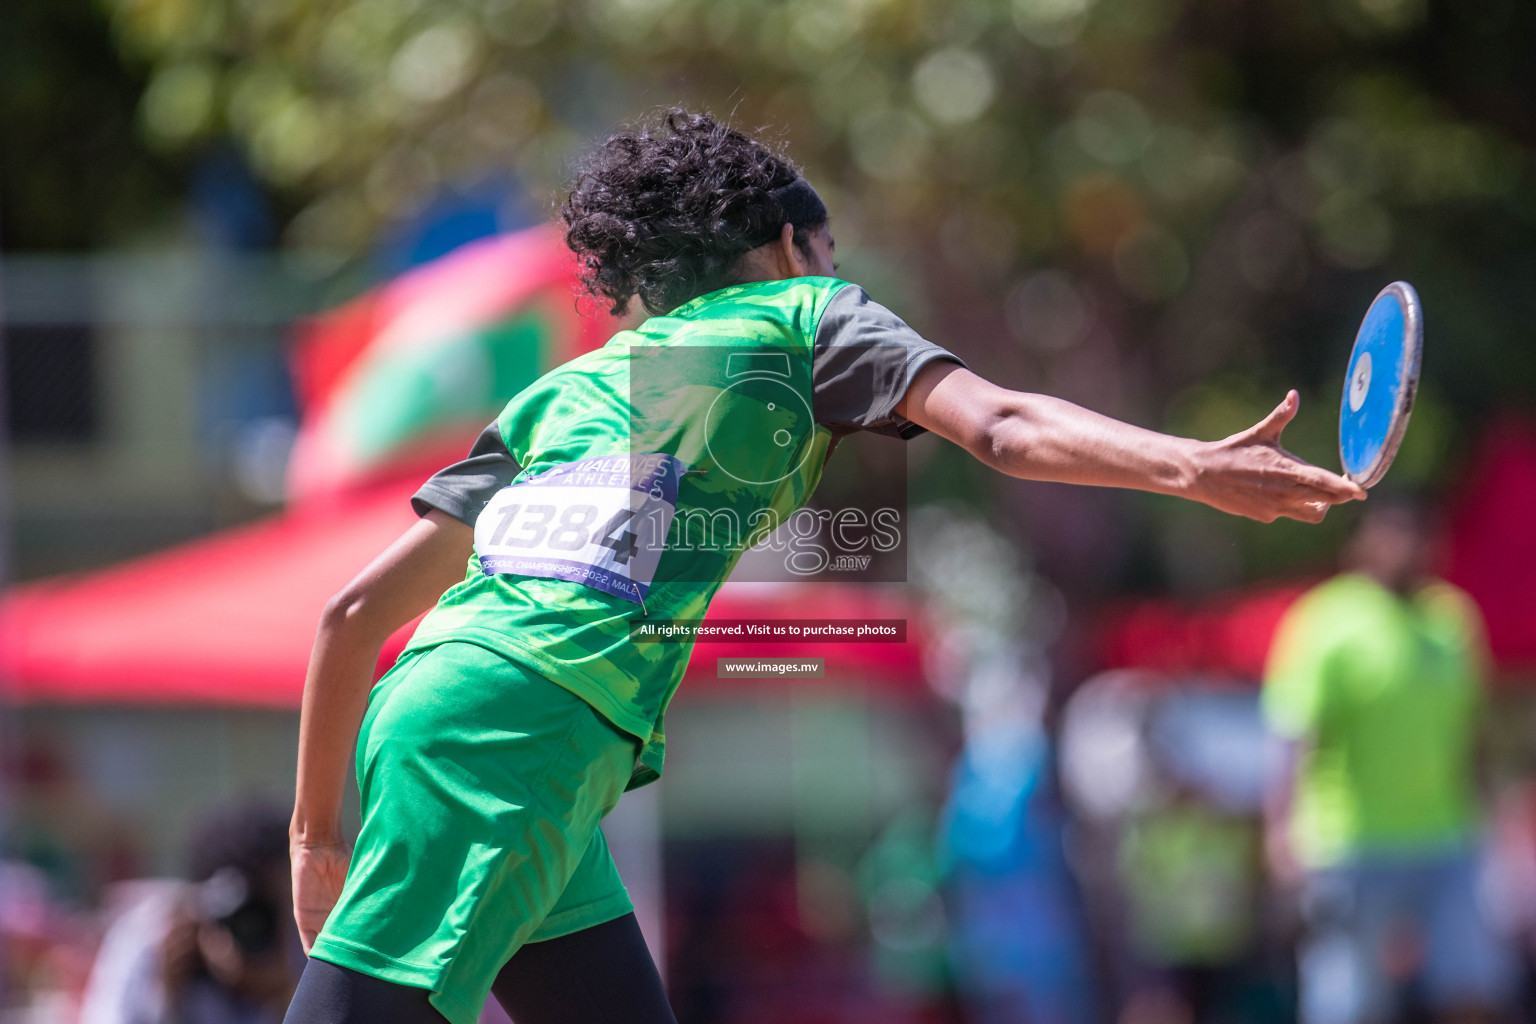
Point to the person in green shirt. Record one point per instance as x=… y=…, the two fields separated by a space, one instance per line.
x=1375 y=680
x=615 y=493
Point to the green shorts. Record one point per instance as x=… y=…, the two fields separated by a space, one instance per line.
x=482 y=787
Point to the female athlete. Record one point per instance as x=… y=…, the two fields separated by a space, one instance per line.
x=522 y=709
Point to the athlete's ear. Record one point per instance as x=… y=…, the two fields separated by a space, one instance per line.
x=791 y=262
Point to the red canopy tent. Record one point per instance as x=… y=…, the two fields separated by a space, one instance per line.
x=1226 y=638
x=1489 y=550
x=229 y=619
x=221 y=620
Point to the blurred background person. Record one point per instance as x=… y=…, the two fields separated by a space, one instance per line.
x=1018 y=940
x=1375 y=680
x=1190 y=872
x=219 y=949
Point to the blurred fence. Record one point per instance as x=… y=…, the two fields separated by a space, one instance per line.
x=147 y=397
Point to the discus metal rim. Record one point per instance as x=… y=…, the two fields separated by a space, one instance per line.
x=1407 y=383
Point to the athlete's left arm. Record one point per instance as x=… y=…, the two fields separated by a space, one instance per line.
x=1038 y=437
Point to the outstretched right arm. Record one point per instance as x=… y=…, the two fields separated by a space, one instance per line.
x=397 y=586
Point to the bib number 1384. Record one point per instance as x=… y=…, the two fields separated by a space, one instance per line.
x=599 y=522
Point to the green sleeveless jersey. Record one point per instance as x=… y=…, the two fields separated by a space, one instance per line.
x=624 y=485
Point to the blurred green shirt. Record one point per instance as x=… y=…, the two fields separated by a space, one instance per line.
x=1383 y=693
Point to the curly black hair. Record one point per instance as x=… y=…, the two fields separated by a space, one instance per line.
x=666 y=209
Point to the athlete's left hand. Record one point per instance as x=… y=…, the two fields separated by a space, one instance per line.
x=319 y=871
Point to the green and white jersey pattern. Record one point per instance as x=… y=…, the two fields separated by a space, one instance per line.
x=626 y=483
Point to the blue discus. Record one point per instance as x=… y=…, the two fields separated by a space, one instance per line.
x=1382 y=380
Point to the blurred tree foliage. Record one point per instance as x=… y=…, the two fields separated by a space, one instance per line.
x=74 y=171
x=1166 y=209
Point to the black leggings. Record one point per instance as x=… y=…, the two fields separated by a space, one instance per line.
x=600 y=975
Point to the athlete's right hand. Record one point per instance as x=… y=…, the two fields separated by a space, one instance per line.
x=319 y=871
x=1249 y=474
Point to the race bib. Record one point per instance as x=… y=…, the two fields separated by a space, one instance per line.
x=600 y=522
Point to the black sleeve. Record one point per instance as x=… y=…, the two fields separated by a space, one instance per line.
x=463 y=489
x=863 y=362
